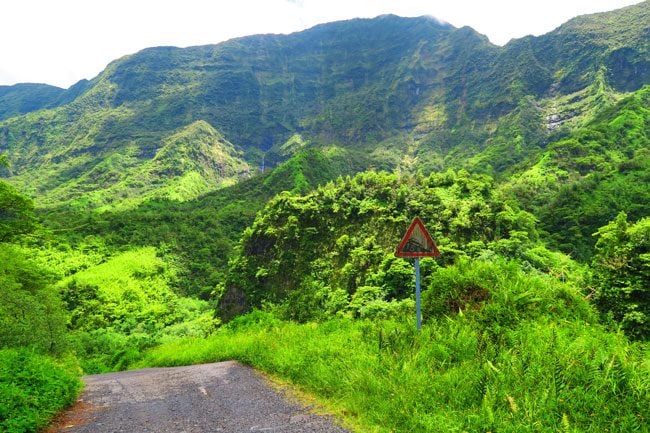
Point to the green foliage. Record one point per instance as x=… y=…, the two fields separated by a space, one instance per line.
x=103 y=350
x=622 y=274
x=542 y=373
x=16 y=212
x=124 y=284
x=339 y=241
x=33 y=389
x=500 y=294
x=583 y=181
x=124 y=305
x=31 y=312
x=197 y=235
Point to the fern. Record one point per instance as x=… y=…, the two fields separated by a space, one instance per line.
x=559 y=380
x=566 y=425
x=618 y=378
x=514 y=408
x=481 y=386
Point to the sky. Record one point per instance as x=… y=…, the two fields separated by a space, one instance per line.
x=60 y=42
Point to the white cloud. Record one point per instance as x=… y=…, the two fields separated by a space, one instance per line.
x=60 y=42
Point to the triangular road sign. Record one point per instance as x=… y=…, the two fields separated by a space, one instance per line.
x=417 y=242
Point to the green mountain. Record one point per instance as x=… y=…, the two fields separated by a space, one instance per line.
x=24 y=98
x=408 y=93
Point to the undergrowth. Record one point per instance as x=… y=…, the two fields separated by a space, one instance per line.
x=33 y=389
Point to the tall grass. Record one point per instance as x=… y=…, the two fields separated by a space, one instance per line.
x=502 y=350
x=540 y=376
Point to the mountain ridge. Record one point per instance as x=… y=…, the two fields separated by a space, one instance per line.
x=409 y=92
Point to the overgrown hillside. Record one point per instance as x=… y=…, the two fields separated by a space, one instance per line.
x=339 y=241
x=580 y=182
x=197 y=235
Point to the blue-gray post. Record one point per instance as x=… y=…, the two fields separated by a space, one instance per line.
x=417 y=293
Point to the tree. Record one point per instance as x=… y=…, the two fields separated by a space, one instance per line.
x=16 y=213
x=622 y=274
x=31 y=313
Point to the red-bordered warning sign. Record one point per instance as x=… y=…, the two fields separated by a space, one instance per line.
x=417 y=242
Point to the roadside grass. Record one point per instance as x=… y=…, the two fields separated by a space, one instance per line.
x=538 y=376
x=33 y=389
x=502 y=350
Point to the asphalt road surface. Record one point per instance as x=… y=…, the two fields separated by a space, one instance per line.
x=222 y=397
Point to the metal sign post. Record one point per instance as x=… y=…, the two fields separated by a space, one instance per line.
x=418 y=309
x=417 y=243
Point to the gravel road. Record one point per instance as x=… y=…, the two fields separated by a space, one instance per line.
x=221 y=397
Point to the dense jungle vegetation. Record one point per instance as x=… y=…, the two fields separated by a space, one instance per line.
x=244 y=201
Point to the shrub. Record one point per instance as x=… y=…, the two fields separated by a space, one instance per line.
x=622 y=274
x=498 y=293
x=33 y=388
